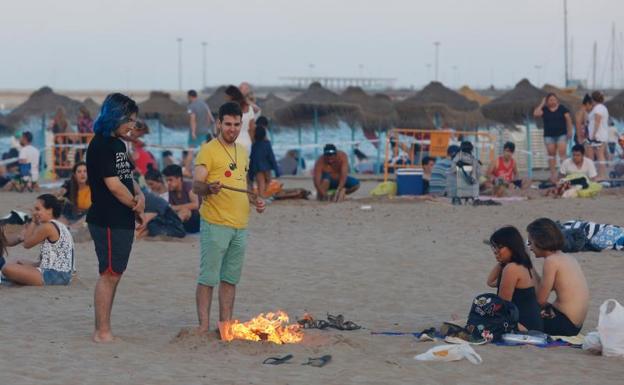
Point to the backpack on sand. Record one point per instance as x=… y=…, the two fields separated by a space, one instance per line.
x=491 y=316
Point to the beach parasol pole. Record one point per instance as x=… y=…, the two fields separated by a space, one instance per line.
x=300 y=151
x=160 y=159
x=352 y=155
x=315 y=133
x=382 y=139
x=529 y=148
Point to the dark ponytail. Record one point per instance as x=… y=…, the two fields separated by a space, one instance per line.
x=50 y=202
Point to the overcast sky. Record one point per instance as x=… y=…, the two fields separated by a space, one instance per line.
x=131 y=44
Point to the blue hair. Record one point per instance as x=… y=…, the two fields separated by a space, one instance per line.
x=115 y=111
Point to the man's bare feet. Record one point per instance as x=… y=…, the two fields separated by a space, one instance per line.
x=101 y=337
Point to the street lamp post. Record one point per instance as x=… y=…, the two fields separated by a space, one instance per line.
x=179 y=40
x=437 y=57
x=204 y=44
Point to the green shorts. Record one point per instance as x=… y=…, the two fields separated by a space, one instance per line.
x=222 y=252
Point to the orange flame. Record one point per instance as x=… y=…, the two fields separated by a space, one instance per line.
x=271 y=327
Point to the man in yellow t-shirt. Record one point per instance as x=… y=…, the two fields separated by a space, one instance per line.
x=224 y=214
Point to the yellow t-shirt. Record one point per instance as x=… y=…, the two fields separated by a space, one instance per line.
x=227 y=208
x=84 y=198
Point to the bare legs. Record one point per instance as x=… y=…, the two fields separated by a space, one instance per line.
x=203 y=297
x=227 y=294
x=104 y=296
x=601 y=158
x=23 y=274
x=598 y=154
x=552 y=150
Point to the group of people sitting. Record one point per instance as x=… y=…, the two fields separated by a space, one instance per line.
x=513 y=275
x=517 y=281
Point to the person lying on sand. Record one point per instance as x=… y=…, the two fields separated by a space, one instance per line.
x=512 y=276
x=331 y=172
x=563 y=274
x=56 y=258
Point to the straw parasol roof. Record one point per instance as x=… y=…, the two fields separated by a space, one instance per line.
x=215 y=100
x=473 y=95
x=160 y=106
x=415 y=115
x=92 y=106
x=44 y=101
x=377 y=112
x=329 y=108
x=567 y=97
x=437 y=93
x=616 y=106
x=270 y=104
x=516 y=105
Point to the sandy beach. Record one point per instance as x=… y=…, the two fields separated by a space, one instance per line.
x=402 y=266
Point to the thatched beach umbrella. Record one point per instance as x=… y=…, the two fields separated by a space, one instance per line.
x=516 y=105
x=160 y=106
x=567 y=98
x=319 y=105
x=473 y=95
x=616 y=106
x=377 y=112
x=431 y=115
x=437 y=93
x=270 y=104
x=92 y=106
x=44 y=101
x=215 y=100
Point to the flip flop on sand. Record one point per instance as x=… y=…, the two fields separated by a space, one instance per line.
x=277 y=360
x=318 y=362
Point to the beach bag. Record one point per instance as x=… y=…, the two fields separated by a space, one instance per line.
x=491 y=316
x=574 y=239
x=448 y=353
x=611 y=328
x=607 y=237
x=384 y=189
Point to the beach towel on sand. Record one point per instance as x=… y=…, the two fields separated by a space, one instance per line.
x=598 y=236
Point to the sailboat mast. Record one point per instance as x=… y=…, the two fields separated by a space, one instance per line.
x=565 y=40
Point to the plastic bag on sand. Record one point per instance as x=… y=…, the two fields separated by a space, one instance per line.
x=611 y=328
x=592 y=343
x=447 y=353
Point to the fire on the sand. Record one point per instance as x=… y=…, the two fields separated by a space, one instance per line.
x=271 y=327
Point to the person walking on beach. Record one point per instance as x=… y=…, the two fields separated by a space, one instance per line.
x=220 y=181
x=557 y=130
x=117 y=202
x=200 y=120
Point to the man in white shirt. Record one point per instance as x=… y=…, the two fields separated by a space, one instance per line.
x=578 y=164
x=29 y=160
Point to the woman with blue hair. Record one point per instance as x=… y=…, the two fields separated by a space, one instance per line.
x=117 y=203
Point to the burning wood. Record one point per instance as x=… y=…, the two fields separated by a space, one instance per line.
x=271 y=327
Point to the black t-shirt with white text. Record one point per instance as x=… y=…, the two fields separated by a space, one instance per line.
x=554 y=121
x=108 y=157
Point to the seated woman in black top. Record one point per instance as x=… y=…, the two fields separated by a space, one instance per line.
x=513 y=278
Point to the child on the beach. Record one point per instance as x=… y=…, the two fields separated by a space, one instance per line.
x=262 y=158
x=563 y=274
x=513 y=277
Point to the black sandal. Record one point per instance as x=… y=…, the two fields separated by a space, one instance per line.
x=318 y=362
x=277 y=360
